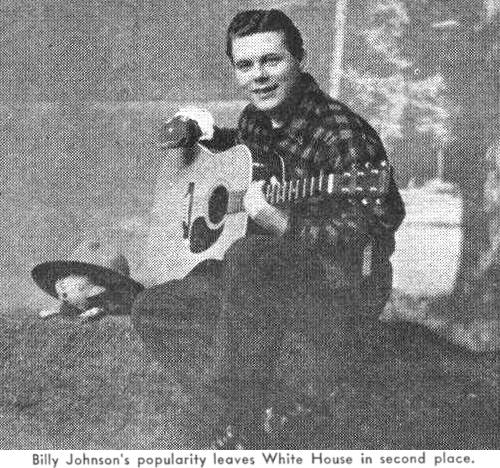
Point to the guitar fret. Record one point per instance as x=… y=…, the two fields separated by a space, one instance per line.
x=282 y=192
x=268 y=192
x=311 y=190
x=304 y=188
x=274 y=194
x=297 y=188
x=329 y=188
x=290 y=190
x=320 y=181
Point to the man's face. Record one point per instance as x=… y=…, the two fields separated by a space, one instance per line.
x=265 y=69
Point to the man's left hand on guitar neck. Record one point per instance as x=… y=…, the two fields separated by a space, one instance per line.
x=265 y=215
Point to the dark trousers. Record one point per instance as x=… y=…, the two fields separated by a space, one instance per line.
x=227 y=323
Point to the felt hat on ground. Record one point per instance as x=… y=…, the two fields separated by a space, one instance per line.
x=103 y=265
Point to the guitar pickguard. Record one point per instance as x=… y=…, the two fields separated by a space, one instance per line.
x=204 y=231
x=202 y=237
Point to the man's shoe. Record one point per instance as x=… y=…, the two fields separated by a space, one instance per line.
x=228 y=440
x=248 y=438
x=278 y=424
x=282 y=421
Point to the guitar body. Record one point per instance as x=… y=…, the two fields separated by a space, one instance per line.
x=190 y=222
x=198 y=211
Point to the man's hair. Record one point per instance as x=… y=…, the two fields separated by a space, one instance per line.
x=250 y=22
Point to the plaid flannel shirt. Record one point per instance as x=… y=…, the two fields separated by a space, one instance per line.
x=323 y=134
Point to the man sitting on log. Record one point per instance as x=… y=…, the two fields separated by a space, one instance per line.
x=318 y=268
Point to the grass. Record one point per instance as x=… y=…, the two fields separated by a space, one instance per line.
x=65 y=385
x=74 y=386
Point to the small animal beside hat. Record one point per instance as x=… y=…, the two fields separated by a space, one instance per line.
x=93 y=282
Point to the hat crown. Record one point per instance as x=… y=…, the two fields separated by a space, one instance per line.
x=96 y=253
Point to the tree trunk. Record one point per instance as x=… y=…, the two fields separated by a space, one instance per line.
x=488 y=269
x=476 y=287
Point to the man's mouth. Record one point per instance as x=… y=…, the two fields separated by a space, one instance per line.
x=265 y=90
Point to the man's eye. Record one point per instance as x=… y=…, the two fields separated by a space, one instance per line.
x=272 y=60
x=243 y=65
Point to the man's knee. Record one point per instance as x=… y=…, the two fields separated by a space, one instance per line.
x=177 y=303
x=148 y=300
x=246 y=248
x=153 y=305
x=253 y=257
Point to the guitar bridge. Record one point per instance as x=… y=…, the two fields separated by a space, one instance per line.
x=186 y=222
x=185 y=230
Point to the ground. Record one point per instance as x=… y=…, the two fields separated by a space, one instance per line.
x=66 y=385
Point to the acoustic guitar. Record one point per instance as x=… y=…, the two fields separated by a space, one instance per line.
x=198 y=208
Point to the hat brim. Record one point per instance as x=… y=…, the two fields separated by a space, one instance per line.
x=46 y=274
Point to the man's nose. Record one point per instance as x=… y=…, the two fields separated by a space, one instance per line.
x=260 y=73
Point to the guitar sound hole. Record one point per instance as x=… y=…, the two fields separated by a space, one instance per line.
x=217 y=205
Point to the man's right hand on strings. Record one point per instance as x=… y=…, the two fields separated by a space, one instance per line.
x=265 y=215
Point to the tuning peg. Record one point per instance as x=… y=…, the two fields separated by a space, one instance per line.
x=378 y=201
x=365 y=201
x=368 y=165
x=383 y=163
x=373 y=189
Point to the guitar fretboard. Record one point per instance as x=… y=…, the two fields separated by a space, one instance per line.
x=368 y=184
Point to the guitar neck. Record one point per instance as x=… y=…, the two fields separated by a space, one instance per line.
x=368 y=184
